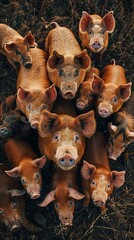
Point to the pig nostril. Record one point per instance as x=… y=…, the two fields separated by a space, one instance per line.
x=71 y=161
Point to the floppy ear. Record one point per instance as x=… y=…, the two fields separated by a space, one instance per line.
x=4 y=107
x=118 y=178
x=83 y=59
x=87 y=169
x=87 y=123
x=97 y=84
x=23 y=94
x=75 y=194
x=125 y=91
x=16 y=192
x=48 y=199
x=29 y=39
x=51 y=93
x=55 y=60
x=109 y=22
x=40 y=162
x=85 y=21
x=112 y=128
x=13 y=172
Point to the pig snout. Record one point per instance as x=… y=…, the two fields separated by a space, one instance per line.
x=66 y=220
x=80 y=104
x=96 y=45
x=4 y=131
x=27 y=62
x=66 y=161
x=34 y=192
x=68 y=94
x=14 y=226
x=68 y=90
x=34 y=123
x=99 y=203
x=104 y=112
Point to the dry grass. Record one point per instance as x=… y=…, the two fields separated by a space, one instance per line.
x=25 y=15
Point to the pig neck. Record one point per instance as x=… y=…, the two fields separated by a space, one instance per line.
x=114 y=74
x=95 y=152
x=18 y=151
x=63 y=106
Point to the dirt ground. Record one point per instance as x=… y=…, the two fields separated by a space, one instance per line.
x=89 y=224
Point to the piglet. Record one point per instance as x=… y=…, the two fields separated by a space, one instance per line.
x=64 y=193
x=26 y=165
x=98 y=180
x=12 y=203
x=15 y=47
x=67 y=63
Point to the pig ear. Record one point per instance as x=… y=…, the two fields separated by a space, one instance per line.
x=75 y=194
x=109 y=22
x=85 y=22
x=51 y=93
x=97 y=84
x=112 y=128
x=29 y=39
x=11 y=100
x=40 y=162
x=48 y=199
x=83 y=59
x=16 y=192
x=87 y=123
x=118 y=178
x=87 y=169
x=130 y=136
x=125 y=91
x=23 y=94
x=13 y=172
x=55 y=60
x=9 y=46
x=4 y=107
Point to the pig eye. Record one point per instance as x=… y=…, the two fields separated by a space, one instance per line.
x=90 y=32
x=15 y=204
x=29 y=108
x=100 y=96
x=56 y=206
x=56 y=137
x=61 y=73
x=93 y=183
x=23 y=181
x=102 y=31
x=76 y=138
x=1 y=212
x=108 y=185
x=44 y=107
x=70 y=203
x=76 y=73
x=37 y=176
x=90 y=95
x=17 y=52
x=115 y=100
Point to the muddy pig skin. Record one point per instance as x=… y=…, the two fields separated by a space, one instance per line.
x=67 y=63
x=34 y=92
x=98 y=180
x=93 y=31
x=26 y=165
x=121 y=130
x=13 y=123
x=62 y=137
x=85 y=100
x=112 y=90
x=12 y=203
x=15 y=47
x=64 y=193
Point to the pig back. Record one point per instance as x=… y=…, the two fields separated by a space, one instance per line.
x=114 y=74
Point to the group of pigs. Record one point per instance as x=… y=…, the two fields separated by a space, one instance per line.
x=78 y=115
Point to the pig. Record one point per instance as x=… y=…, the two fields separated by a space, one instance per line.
x=67 y=63
x=62 y=137
x=64 y=193
x=98 y=180
x=26 y=165
x=34 y=90
x=112 y=90
x=12 y=203
x=15 y=47
x=94 y=30
x=85 y=99
x=121 y=130
x=13 y=123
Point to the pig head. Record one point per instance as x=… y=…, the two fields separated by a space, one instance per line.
x=101 y=183
x=93 y=31
x=64 y=202
x=62 y=137
x=68 y=71
x=110 y=96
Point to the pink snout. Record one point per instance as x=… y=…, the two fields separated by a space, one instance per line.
x=66 y=162
x=34 y=123
x=96 y=45
x=80 y=105
x=99 y=203
x=104 y=112
x=34 y=195
x=69 y=94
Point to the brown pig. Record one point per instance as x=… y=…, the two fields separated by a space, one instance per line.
x=98 y=180
x=67 y=63
x=62 y=137
x=26 y=165
x=85 y=97
x=34 y=91
x=121 y=130
x=93 y=31
x=112 y=90
x=12 y=203
x=15 y=47
x=64 y=193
